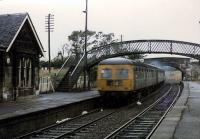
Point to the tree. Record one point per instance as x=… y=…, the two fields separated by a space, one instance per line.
x=94 y=39
x=43 y=63
x=103 y=39
x=77 y=41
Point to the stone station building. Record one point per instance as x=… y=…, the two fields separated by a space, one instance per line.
x=20 y=50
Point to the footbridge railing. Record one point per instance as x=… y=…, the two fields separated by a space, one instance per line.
x=144 y=46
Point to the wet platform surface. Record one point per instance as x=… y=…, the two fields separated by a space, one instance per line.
x=41 y=102
x=183 y=121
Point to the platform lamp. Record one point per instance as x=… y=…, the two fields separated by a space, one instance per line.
x=199 y=60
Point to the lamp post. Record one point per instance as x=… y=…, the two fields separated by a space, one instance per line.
x=85 y=46
x=199 y=60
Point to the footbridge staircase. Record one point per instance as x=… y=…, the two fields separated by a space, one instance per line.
x=69 y=73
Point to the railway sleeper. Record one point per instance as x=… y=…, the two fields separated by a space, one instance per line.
x=149 y=117
x=45 y=136
x=50 y=133
x=142 y=121
x=137 y=130
x=147 y=125
x=75 y=135
x=85 y=131
x=38 y=138
x=153 y=120
x=136 y=133
x=76 y=124
x=138 y=127
x=126 y=137
x=131 y=136
x=66 y=129
x=154 y=111
x=55 y=131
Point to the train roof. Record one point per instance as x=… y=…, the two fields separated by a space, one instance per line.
x=124 y=61
x=116 y=61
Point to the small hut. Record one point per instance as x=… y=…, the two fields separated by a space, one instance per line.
x=20 y=50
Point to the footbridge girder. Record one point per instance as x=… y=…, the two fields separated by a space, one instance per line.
x=143 y=47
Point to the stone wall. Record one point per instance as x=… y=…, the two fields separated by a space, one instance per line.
x=7 y=83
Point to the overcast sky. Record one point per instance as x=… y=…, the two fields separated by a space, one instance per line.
x=134 y=19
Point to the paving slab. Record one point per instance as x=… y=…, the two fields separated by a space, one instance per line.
x=42 y=102
x=183 y=121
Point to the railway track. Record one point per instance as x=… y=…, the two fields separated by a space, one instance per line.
x=94 y=125
x=144 y=124
x=58 y=130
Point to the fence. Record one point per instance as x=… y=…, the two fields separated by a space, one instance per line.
x=45 y=85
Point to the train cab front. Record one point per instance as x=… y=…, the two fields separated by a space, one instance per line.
x=114 y=80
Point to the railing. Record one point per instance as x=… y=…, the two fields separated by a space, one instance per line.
x=45 y=85
x=77 y=71
x=70 y=61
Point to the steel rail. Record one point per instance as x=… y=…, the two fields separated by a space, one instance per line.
x=73 y=132
x=133 y=119
x=34 y=133
x=54 y=125
x=162 y=118
x=89 y=123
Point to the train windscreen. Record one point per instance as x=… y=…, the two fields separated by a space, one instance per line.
x=106 y=73
x=122 y=73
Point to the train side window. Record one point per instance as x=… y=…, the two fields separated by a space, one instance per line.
x=106 y=73
x=122 y=73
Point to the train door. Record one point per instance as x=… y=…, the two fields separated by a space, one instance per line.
x=146 y=77
x=157 y=76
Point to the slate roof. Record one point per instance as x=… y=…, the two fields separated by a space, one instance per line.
x=9 y=25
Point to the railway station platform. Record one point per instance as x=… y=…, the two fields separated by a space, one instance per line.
x=183 y=121
x=32 y=104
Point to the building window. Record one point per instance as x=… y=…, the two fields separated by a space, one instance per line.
x=24 y=72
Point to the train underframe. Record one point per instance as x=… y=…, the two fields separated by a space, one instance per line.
x=115 y=98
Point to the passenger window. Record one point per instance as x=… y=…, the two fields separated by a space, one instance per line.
x=106 y=73
x=122 y=73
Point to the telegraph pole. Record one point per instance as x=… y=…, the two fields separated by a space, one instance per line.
x=85 y=46
x=49 y=21
x=199 y=60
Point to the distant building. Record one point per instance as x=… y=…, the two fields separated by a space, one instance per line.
x=20 y=50
x=173 y=75
x=180 y=63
